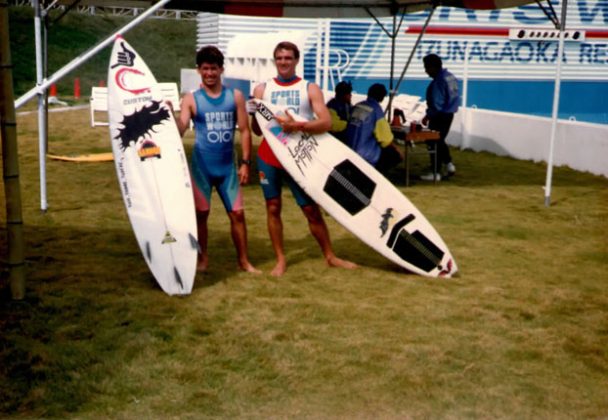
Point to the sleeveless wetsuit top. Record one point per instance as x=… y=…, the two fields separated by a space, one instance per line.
x=214 y=122
x=292 y=95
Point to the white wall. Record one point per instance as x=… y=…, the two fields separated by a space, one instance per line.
x=580 y=146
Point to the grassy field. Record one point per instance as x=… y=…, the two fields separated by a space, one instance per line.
x=521 y=333
x=168 y=46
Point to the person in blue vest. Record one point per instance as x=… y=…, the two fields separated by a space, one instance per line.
x=442 y=101
x=215 y=111
x=369 y=134
x=340 y=108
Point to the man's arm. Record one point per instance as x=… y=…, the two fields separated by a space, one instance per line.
x=258 y=93
x=385 y=137
x=383 y=133
x=319 y=125
x=243 y=123
x=337 y=125
x=187 y=111
x=437 y=99
x=323 y=121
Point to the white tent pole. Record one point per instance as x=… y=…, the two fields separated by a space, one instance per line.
x=318 y=57
x=465 y=91
x=409 y=60
x=42 y=116
x=326 y=55
x=87 y=55
x=558 y=71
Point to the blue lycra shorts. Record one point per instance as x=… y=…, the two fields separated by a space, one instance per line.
x=215 y=170
x=271 y=181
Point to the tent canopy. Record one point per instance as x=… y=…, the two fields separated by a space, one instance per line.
x=305 y=8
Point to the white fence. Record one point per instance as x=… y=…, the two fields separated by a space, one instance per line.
x=578 y=145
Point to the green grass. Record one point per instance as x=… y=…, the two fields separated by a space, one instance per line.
x=521 y=333
x=167 y=45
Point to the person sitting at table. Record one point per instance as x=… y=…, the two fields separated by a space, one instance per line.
x=369 y=134
x=340 y=108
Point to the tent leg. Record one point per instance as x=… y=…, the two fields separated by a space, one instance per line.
x=42 y=115
x=558 y=71
x=409 y=60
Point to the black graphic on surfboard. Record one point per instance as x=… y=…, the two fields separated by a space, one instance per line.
x=353 y=190
x=350 y=187
x=414 y=247
x=126 y=57
x=388 y=214
x=140 y=123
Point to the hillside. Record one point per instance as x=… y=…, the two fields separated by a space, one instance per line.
x=166 y=45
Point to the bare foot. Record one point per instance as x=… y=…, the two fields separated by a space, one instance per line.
x=202 y=264
x=248 y=267
x=339 y=262
x=279 y=269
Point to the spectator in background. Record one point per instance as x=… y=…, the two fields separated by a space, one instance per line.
x=442 y=100
x=340 y=108
x=369 y=134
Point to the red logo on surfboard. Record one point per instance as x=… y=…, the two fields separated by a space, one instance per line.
x=125 y=80
x=446 y=271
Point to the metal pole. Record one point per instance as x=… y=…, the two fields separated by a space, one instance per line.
x=392 y=68
x=10 y=163
x=318 y=55
x=409 y=60
x=326 y=55
x=81 y=59
x=42 y=116
x=45 y=72
x=558 y=73
x=465 y=91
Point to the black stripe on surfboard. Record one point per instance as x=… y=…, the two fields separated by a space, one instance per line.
x=349 y=187
x=414 y=247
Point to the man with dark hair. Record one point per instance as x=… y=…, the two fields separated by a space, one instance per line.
x=442 y=100
x=340 y=108
x=369 y=134
x=305 y=99
x=215 y=111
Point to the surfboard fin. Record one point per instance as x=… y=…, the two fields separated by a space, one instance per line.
x=194 y=243
x=148 y=251
x=178 y=278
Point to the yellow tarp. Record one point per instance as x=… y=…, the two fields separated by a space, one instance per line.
x=95 y=157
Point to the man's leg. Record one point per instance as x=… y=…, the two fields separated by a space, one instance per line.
x=238 y=230
x=443 y=125
x=275 y=230
x=319 y=230
x=201 y=225
x=271 y=183
x=201 y=187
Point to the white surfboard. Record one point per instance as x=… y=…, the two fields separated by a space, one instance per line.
x=357 y=196
x=152 y=171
